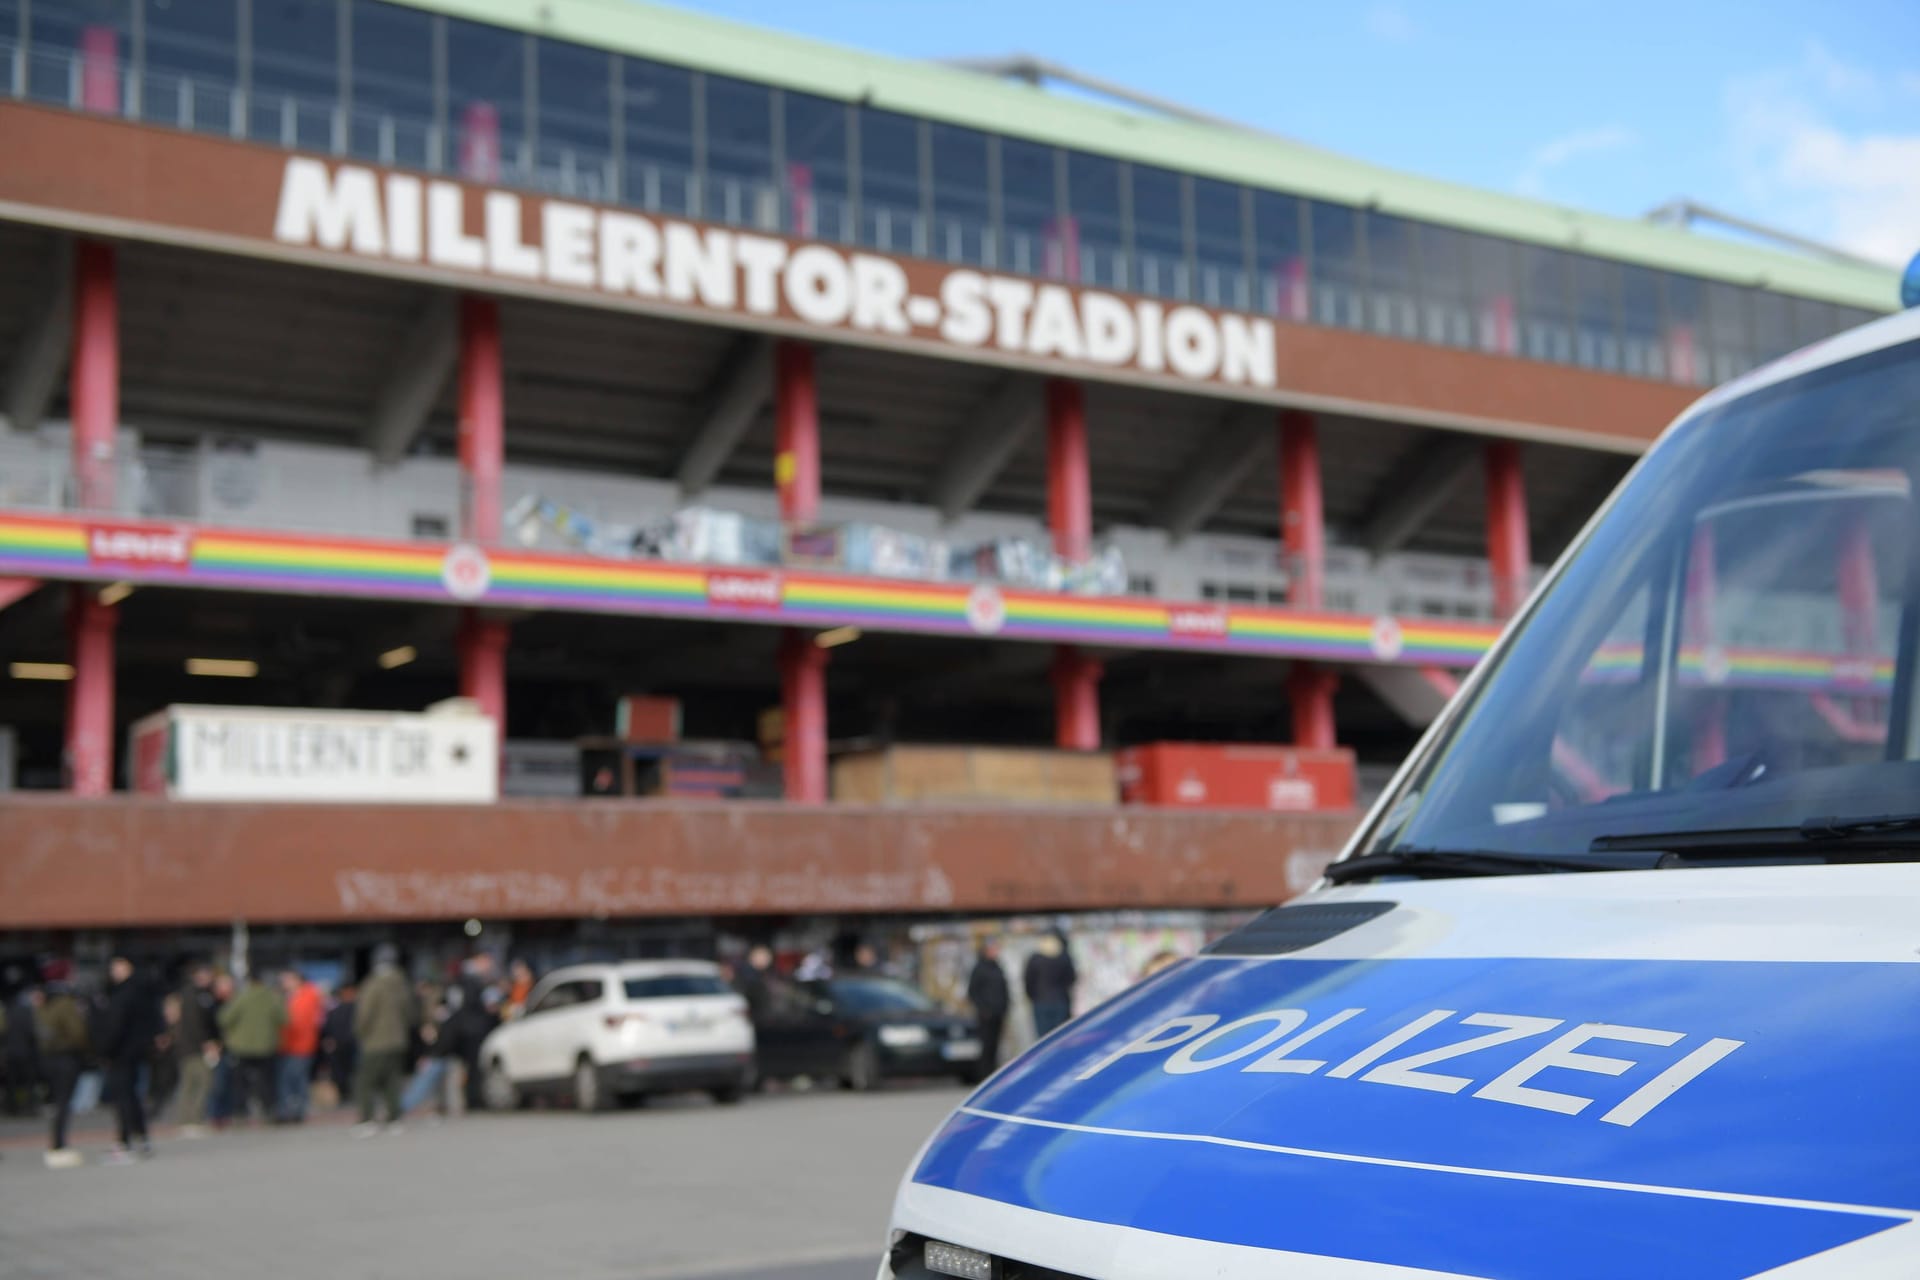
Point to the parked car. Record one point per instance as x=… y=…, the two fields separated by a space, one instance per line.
x=607 y=1033
x=861 y=1030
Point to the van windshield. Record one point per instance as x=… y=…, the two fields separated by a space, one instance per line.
x=1732 y=647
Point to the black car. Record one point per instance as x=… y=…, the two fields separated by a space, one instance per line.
x=861 y=1030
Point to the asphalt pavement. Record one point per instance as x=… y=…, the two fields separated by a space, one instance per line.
x=793 y=1185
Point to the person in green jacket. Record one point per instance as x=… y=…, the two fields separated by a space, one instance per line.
x=383 y=1023
x=250 y=1024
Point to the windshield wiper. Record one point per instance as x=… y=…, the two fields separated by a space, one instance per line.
x=1895 y=831
x=1435 y=864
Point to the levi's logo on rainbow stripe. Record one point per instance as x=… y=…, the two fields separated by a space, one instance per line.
x=745 y=590
x=1205 y=1043
x=122 y=544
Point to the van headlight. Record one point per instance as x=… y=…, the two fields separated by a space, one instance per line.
x=903 y=1037
x=957 y=1260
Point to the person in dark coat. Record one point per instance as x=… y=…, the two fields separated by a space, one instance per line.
x=477 y=1014
x=128 y=1035
x=1049 y=980
x=338 y=1046
x=987 y=993
x=751 y=982
x=20 y=1049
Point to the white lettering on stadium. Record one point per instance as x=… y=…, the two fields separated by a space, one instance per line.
x=349 y=209
x=1204 y=1043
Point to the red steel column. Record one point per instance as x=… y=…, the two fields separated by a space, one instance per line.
x=483 y=428
x=796 y=419
x=483 y=665
x=1069 y=476
x=1310 y=690
x=1076 y=693
x=1076 y=676
x=94 y=392
x=89 y=751
x=1303 y=538
x=483 y=420
x=803 y=698
x=1303 y=529
x=100 y=69
x=1509 y=557
x=796 y=477
x=94 y=376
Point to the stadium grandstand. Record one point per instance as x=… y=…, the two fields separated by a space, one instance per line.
x=840 y=485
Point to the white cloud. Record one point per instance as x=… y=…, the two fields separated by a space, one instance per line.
x=1813 y=156
x=1556 y=154
x=1839 y=79
x=1391 y=23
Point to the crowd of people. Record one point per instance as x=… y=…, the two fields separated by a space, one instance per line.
x=224 y=1049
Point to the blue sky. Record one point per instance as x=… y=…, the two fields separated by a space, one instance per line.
x=1805 y=116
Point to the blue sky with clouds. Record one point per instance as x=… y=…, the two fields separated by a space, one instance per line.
x=1805 y=116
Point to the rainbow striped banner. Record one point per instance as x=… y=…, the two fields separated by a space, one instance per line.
x=1752 y=669
x=455 y=573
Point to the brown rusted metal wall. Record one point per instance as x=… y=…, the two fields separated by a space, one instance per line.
x=129 y=861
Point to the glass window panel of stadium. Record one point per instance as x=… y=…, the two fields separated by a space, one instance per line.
x=401 y=86
x=818 y=195
x=893 y=164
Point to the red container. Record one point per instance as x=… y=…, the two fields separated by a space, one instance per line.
x=1204 y=775
x=640 y=719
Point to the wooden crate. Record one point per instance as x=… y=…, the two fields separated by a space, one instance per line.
x=975 y=775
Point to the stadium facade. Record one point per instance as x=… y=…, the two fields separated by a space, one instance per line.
x=544 y=352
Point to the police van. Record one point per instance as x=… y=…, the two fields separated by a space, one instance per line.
x=1621 y=978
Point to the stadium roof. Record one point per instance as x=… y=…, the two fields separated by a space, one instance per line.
x=966 y=98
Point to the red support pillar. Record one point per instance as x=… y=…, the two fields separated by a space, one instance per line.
x=1303 y=539
x=94 y=373
x=796 y=410
x=89 y=753
x=1310 y=690
x=483 y=427
x=483 y=665
x=1509 y=557
x=796 y=477
x=803 y=697
x=1303 y=530
x=1076 y=690
x=1069 y=476
x=94 y=392
x=100 y=69
x=483 y=420
x=1076 y=676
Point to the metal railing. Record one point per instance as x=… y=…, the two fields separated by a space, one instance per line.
x=202 y=485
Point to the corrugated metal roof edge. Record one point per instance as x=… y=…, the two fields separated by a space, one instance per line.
x=966 y=98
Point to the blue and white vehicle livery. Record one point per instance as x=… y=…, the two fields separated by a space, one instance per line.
x=1620 y=978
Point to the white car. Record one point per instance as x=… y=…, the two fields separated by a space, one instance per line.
x=602 y=1033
